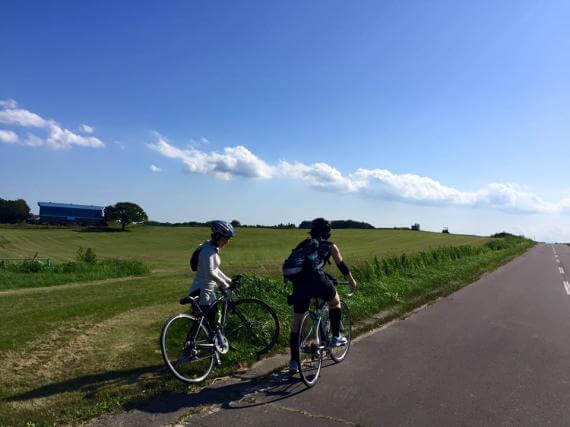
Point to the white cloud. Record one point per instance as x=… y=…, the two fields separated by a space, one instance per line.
x=8 y=137
x=372 y=183
x=8 y=103
x=33 y=141
x=233 y=161
x=19 y=117
x=154 y=168
x=200 y=142
x=319 y=175
x=121 y=146
x=61 y=138
x=86 y=128
x=47 y=133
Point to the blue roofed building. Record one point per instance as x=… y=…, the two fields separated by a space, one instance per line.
x=63 y=213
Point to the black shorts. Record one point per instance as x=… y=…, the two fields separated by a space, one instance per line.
x=313 y=285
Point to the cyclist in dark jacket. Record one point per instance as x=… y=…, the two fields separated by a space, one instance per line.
x=310 y=284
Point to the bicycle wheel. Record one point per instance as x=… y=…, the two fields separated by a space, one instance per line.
x=186 y=348
x=339 y=353
x=251 y=327
x=310 y=350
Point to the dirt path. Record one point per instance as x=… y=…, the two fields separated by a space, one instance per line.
x=25 y=291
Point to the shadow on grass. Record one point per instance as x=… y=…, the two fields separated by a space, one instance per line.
x=89 y=384
x=230 y=394
x=100 y=230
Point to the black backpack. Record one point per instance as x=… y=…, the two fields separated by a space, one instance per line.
x=305 y=257
x=195 y=258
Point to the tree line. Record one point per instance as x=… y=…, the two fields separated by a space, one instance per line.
x=342 y=223
x=14 y=211
x=125 y=213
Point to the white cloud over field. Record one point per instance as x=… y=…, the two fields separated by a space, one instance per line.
x=36 y=131
x=371 y=183
x=234 y=161
x=86 y=128
x=8 y=137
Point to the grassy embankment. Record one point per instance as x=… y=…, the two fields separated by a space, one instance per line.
x=68 y=353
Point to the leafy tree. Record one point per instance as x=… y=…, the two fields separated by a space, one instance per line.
x=12 y=211
x=126 y=213
x=236 y=223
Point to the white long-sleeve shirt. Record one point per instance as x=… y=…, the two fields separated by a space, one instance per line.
x=209 y=276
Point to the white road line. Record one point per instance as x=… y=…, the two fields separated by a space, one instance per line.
x=567 y=287
x=561 y=270
x=558 y=261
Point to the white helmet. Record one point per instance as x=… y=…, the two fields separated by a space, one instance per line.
x=223 y=228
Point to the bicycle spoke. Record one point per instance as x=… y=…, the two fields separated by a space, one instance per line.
x=251 y=328
x=310 y=350
x=186 y=348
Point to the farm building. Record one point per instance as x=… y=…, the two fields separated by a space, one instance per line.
x=62 y=213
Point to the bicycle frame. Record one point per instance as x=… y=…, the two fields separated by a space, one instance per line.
x=224 y=300
x=226 y=303
x=317 y=318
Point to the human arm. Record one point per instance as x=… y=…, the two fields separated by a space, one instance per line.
x=335 y=252
x=214 y=273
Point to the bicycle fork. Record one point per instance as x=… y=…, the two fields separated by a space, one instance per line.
x=212 y=338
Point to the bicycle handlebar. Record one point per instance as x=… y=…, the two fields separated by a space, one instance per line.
x=346 y=283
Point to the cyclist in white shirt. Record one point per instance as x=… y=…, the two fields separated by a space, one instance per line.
x=209 y=275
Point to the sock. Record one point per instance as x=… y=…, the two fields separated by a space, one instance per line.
x=294 y=344
x=334 y=316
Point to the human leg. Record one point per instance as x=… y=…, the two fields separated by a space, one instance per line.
x=335 y=314
x=300 y=306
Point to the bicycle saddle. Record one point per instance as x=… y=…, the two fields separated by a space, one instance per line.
x=187 y=299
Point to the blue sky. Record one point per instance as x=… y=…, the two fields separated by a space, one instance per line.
x=445 y=113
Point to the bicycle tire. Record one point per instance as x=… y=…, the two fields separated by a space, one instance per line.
x=190 y=359
x=310 y=351
x=251 y=327
x=346 y=331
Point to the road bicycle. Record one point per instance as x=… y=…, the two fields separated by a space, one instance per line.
x=315 y=337
x=190 y=344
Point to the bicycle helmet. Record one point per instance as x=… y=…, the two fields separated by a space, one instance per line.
x=320 y=227
x=223 y=228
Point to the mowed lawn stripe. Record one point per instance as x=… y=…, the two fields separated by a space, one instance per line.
x=25 y=316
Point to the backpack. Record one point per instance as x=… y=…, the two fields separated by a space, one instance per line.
x=305 y=257
x=195 y=258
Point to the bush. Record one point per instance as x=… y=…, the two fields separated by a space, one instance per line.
x=406 y=264
x=33 y=273
x=87 y=256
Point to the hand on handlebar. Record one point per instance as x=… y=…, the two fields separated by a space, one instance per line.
x=352 y=283
x=236 y=282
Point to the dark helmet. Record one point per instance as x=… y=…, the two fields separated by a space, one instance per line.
x=320 y=227
x=223 y=228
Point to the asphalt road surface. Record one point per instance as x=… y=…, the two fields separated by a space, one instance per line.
x=496 y=352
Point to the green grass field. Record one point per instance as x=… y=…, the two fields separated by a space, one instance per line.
x=71 y=352
x=168 y=249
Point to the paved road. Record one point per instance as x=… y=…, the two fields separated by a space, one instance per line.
x=495 y=353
